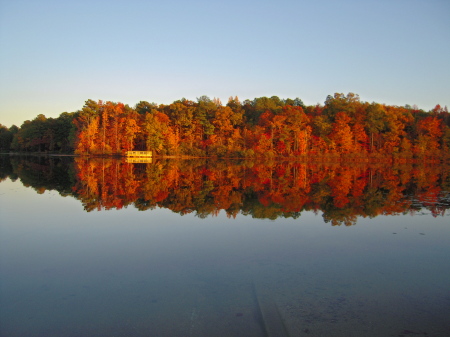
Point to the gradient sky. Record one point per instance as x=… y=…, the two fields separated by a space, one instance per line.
x=54 y=55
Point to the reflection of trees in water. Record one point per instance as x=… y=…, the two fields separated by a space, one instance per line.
x=266 y=190
x=41 y=173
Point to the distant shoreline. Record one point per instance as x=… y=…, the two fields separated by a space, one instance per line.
x=326 y=158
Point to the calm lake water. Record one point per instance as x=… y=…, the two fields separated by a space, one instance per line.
x=73 y=264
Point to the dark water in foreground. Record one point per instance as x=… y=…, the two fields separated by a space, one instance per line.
x=222 y=271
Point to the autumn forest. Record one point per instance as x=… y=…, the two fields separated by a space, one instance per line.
x=344 y=127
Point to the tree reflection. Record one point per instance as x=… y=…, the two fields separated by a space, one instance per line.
x=265 y=190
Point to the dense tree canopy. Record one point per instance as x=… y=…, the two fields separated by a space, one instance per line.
x=262 y=127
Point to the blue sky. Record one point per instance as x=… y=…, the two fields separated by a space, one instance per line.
x=54 y=55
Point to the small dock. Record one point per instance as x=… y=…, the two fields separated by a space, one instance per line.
x=139 y=157
x=139 y=154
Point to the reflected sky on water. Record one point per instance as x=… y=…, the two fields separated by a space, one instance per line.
x=67 y=272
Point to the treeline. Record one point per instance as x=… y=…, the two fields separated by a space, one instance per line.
x=266 y=190
x=262 y=127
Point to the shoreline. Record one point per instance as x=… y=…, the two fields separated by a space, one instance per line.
x=325 y=158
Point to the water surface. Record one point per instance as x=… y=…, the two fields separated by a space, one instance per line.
x=221 y=272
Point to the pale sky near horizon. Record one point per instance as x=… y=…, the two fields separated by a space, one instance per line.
x=54 y=55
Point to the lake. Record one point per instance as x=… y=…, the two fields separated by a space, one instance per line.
x=102 y=247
